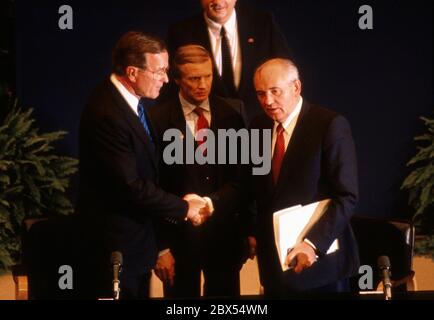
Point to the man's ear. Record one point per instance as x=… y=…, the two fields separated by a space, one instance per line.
x=131 y=73
x=297 y=85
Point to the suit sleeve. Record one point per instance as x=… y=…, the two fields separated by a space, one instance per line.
x=341 y=177
x=230 y=197
x=112 y=146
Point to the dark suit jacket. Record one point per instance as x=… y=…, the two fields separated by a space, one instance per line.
x=259 y=37
x=119 y=193
x=319 y=163
x=221 y=182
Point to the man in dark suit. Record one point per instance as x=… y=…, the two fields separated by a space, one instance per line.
x=313 y=158
x=239 y=40
x=215 y=247
x=119 y=193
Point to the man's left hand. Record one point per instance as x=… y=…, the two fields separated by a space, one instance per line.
x=304 y=254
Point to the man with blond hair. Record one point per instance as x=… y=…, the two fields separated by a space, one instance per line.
x=216 y=246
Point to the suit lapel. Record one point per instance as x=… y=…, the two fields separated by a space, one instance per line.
x=294 y=146
x=202 y=34
x=246 y=39
x=134 y=122
x=266 y=181
x=216 y=115
x=203 y=37
x=177 y=119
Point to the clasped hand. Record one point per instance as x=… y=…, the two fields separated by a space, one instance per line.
x=302 y=256
x=199 y=209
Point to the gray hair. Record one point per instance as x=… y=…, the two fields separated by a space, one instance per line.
x=286 y=64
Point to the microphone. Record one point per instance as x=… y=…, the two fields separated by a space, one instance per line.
x=116 y=262
x=384 y=267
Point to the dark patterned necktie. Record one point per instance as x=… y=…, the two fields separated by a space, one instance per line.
x=227 y=70
x=144 y=120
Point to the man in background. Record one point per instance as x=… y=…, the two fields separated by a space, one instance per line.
x=239 y=39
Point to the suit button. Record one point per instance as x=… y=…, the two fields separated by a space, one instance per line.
x=207 y=178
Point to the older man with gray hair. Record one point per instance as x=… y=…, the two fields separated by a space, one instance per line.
x=313 y=158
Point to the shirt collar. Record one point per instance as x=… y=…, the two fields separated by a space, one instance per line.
x=292 y=115
x=230 y=25
x=188 y=107
x=128 y=96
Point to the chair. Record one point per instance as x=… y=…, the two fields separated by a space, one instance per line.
x=19 y=272
x=47 y=244
x=391 y=237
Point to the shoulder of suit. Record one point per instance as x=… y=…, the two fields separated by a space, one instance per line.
x=228 y=105
x=261 y=121
x=101 y=98
x=101 y=89
x=163 y=109
x=228 y=109
x=224 y=100
x=246 y=11
x=320 y=112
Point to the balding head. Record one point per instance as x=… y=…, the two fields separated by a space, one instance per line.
x=278 y=88
x=285 y=67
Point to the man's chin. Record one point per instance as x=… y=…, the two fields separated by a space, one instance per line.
x=274 y=115
x=201 y=98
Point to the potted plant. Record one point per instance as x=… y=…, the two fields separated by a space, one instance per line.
x=420 y=184
x=33 y=179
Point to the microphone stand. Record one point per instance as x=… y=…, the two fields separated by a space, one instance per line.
x=384 y=266
x=116 y=260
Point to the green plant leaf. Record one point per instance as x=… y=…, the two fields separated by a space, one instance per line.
x=33 y=179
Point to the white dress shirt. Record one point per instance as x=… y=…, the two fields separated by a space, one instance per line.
x=191 y=116
x=288 y=126
x=232 y=34
x=288 y=129
x=131 y=99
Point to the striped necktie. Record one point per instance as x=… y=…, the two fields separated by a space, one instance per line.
x=144 y=120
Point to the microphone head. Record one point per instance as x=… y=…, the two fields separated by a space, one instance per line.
x=116 y=258
x=383 y=262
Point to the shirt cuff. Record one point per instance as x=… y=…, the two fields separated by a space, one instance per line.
x=310 y=243
x=163 y=252
x=210 y=205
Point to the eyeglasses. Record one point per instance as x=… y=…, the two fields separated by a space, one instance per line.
x=156 y=75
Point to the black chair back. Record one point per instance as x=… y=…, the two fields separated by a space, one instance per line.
x=390 y=237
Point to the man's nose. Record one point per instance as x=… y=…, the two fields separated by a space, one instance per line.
x=268 y=98
x=165 y=78
x=202 y=83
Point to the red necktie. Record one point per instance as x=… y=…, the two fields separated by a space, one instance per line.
x=279 y=152
x=202 y=123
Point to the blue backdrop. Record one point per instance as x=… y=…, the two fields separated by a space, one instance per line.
x=379 y=79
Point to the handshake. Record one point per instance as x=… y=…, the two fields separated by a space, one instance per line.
x=199 y=208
